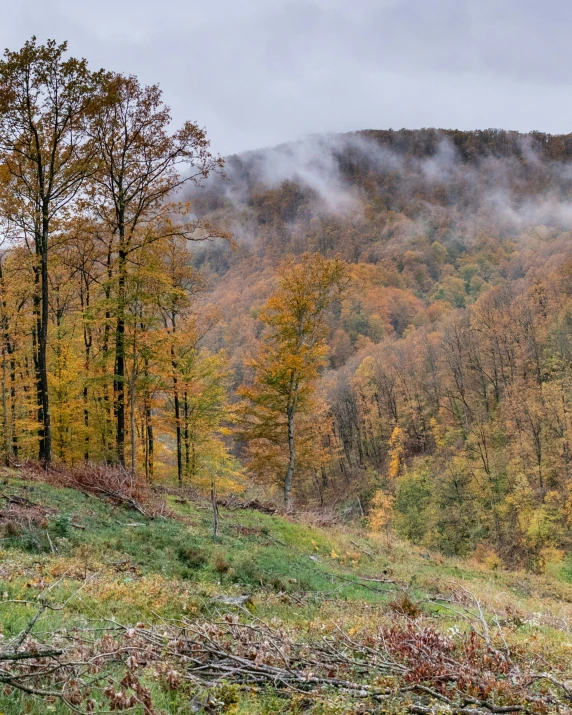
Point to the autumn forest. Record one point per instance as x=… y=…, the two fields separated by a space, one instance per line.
x=375 y=324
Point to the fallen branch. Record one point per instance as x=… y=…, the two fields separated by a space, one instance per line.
x=420 y=666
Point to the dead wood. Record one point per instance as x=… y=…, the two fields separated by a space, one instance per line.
x=422 y=668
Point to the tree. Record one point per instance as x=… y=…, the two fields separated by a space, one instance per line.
x=142 y=165
x=46 y=157
x=292 y=351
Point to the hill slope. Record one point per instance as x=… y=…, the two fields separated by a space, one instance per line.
x=123 y=596
x=442 y=215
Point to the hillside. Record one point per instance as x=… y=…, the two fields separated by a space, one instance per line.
x=437 y=397
x=326 y=619
x=441 y=216
x=456 y=332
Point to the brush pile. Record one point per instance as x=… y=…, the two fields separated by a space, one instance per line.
x=407 y=665
x=115 y=484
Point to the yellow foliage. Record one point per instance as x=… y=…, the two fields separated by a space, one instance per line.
x=396 y=452
x=286 y=368
x=381 y=511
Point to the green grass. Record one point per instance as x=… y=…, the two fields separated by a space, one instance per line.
x=260 y=550
x=304 y=575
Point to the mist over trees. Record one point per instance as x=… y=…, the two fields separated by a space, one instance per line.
x=376 y=322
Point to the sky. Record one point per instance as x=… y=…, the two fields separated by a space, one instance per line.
x=257 y=73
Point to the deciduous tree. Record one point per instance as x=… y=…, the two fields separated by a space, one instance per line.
x=292 y=351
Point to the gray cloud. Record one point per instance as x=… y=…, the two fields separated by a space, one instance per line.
x=265 y=71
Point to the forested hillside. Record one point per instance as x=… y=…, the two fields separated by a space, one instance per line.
x=448 y=386
x=288 y=432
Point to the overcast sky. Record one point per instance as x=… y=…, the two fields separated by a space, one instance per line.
x=260 y=72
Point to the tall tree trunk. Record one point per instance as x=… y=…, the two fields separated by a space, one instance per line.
x=290 y=412
x=150 y=442
x=177 y=405
x=186 y=432
x=7 y=423
x=119 y=378
x=87 y=342
x=45 y=446
x=291 y=462
x=5 y=418
x=13 y=403
x=132 y=424
x=132 y=384
x=148 y=426
x=35 y=355
x=108 y=404
x=178 y=430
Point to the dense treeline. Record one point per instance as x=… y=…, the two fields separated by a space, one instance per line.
x=465 y=425
x=100 y=329
x=445 y=409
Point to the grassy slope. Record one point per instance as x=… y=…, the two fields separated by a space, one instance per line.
x=305 y=575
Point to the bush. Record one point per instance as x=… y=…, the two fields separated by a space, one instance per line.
x=11 y=530
x=60 y=525
x=405 y=606
x=191 y=556
x=220 y=564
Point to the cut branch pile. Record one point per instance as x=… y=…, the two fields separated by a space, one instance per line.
x=18 y=510
x=233 y=503
x=406 y=664
x=113 y=483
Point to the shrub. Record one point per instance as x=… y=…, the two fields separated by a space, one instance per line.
x=191 y=556
x=247 y=572
x=220 y=564
x=11 y=530
x=405 y=606
x=60 y=525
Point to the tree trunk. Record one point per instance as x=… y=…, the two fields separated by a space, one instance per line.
x=132 y=415
x=5 y=418
x=87 y=341
x=291 y=462
x=178 y=430
x=45 y=447
x=119 y=377
x=148 y=427
x=13 y=434
x=6 y=415
x=151 y=443
x=215 y=509
x=148 y=442
x=108 y=405
x=186 y=434
x=177 y=407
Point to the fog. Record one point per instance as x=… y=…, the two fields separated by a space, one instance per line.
x=508 y=194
